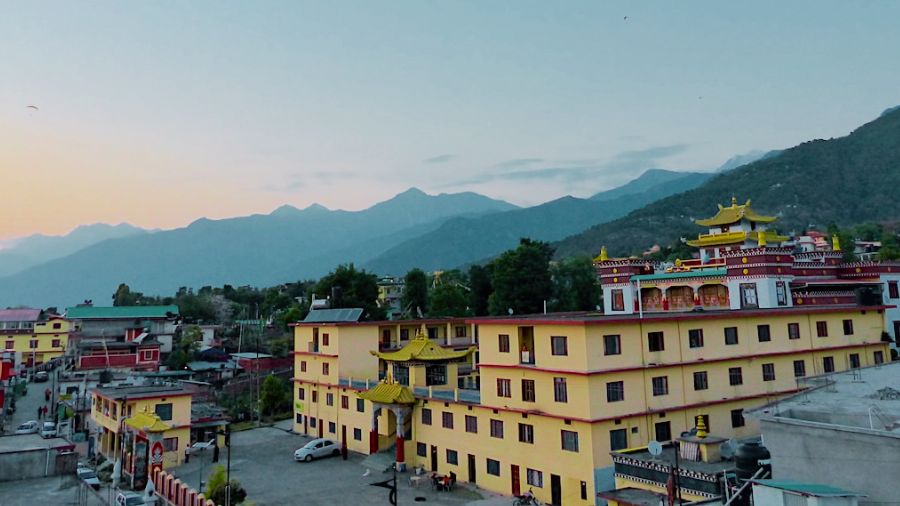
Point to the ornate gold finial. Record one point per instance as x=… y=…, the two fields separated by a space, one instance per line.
x=835 y=243
x=733 y=201
x=422 y=331
x=603 y=255
x=701 y=427
x=761 y=238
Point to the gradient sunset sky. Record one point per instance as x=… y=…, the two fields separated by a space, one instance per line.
x=158 y=113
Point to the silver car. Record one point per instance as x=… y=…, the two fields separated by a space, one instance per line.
x=31 y=427
x=317 y=448
x=88 y=476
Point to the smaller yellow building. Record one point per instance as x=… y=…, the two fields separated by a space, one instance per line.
x=33 y=337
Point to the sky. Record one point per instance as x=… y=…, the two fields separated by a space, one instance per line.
x=158 y=113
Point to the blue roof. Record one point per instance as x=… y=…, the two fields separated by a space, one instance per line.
x=333 y=315
x=809 y=489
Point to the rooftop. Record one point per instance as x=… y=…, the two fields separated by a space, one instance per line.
x=140 y=392
x=667 y=459
x=634 y=497
x=251 y=354
x=26 y=442
x=734 y=213
x=19 y=315
x=808 y=489
x=333 y=315
x=123 y=312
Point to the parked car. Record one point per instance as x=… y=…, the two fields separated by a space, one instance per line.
x=129 y=499
x=30 y=427
x=317 y=448
x=88 y=475
x=41 y=376
x=48 y=430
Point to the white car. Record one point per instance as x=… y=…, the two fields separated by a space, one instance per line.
x=30 y=427
x=129 y=499
x=88 y=475
x=48 y=430
x=317 y=448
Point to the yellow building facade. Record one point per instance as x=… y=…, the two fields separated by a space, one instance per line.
x=35 y=342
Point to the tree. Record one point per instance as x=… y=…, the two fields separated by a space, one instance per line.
x=273 y=395
x=216 y=489
x=847 y=242
x=448 y=300
x=575 y=286
x=890 y=249
x=415 y=292
x=480 y=289
x=124 y=297
x=521 y=278
x=185 y=348
x=354 y=289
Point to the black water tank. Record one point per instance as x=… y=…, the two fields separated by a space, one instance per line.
x=749 y=457
x=105 y=376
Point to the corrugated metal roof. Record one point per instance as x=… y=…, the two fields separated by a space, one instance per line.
x=19 y=315
x=333 y=315
x=813 y=489
x=102 y=313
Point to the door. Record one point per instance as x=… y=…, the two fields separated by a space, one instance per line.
x=434 y=459
x=471 y=468
x=555 y=490
x=516 y=485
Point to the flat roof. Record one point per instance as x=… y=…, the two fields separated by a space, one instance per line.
x=633 y=497
x=19 y=315
x=123 y=312
x=809 y=489
x=26 y=442
x=251 y=354
x=667 y=458
x=140 y=391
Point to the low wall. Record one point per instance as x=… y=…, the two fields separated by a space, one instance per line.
x=171 y=491
x=36 y=463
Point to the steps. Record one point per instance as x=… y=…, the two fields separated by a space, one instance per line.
x=381 y=461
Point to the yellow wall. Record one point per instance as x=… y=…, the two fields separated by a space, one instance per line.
x=45 y=334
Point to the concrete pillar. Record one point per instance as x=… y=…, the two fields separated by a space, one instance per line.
x=373 y=432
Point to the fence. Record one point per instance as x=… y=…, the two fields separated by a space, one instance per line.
x=171 y=491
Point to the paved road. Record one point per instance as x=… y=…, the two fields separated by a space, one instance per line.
x=55 y=491
x=27 y=406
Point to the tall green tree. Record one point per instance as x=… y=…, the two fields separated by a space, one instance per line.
x=521 y=278
x=575 y=286
x=415 y=292
x=480 y=289
x=273 y=395
x=448 y=299
x=216 y=488
x=124 y=296
x=185 y=348
x=357 y=288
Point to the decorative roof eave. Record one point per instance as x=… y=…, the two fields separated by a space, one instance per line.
x=734 y=214
x=147 y=422
x=423 y=349
x=388 y=393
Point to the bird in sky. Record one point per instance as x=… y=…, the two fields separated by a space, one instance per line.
x=32 y=107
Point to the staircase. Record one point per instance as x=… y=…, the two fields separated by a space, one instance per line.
x=381 y=461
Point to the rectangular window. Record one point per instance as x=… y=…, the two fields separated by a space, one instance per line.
x=878 y=357
x=312 y=422
x=559 y=345
x=735 y=376
x=822 y=329
x=503 y=340
x=799 y=368
x=748 y=295
x=303 y=366
x=315 y=396
x=497 y=428
x=493 y=467
x=695 y=338
x=325 y=369
x=615 y=391
x=569 y=440
x=731 y=335
x=301 y=394
x=147 y=354
x=345 y=402
x=848 y=327
x=57 y=325
x=534 y=478
x=526 y=433
x=436 y=375
x=764 y=334
x=452 y=457
x=357 y=434
x=170 y=444
x=560 y=393
x=503 y=388
x=701 y=381
x=163 y=411
x=324 y=339
x=828 y=364
x=854 y=361
x=10 y=345
x=781 y=293
x=426 y=416
x=618 y=299
x=33 y=344
x=404 y=334
x=768 y=372
x=618 y=439
x=401 y=374
x=893 y=290
x=612 y=345
x=421 y=449
x=656 y=341
x=460 y=331
x=660 y=385
x=663 y=431
x=528 y=390
x=472 y=424
x=329 y=399
x=332 y=427
x=793 y=331
x=737 y=418
x=447 y=420
x=360 y=405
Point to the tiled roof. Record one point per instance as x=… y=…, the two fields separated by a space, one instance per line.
x=388 y=393
x=733 y=214
x=131 y=312
x=147 y=422
x=424 y=349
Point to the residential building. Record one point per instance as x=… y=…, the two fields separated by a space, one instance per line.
x=141 y=354
x=31 y=337
x=390 y=292
x=125 y=323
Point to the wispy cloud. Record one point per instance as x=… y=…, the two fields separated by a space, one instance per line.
x=518 y=162
x=439 y=159
x=300 y=180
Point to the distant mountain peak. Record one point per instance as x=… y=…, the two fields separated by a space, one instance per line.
x=316 y=207
x=412 y=192
x=285 y=210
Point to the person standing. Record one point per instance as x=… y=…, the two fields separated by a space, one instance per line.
x=40 y=412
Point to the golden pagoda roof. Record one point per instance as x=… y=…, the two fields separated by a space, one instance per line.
x=147 y=422
x=423 y=349
x=388 y=393
x=733 y=214
x=725 y=238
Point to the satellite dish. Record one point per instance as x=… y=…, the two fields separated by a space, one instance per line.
x=510 y=311
x=655 y=448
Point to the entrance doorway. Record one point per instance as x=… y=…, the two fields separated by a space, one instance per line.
x=471 y=468
x=516 y=484
x=555 y=490
x=434 y=459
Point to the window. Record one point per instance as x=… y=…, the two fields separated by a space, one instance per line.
x=828 y=364
x=163 y=411
x=731 y=335
x=737 y=418
x=878 y=357
x=324 y=339
x=528 y=390
x=503 y=388
x=526 y=433
x=436 y=375
x=329 y=399
x=768 y=371
x=701 y=381
x=822 y=329
x=503 y=343
x=447 y=420
x=315 y=396
x=793 y=331
x=781 y=293
x=854 y=361
x=421 y=450
x=303 y=366
x=57 y=325
x=357 y=434
x=656 y=341
x=764 y=334
x=569 y=440
x=615 y=391
x=360 y=405
x=497 y=428
x=560 y=393
x=799 y=368
x=612 y=345
x=695 y=338
x=735 y=376
x=534 y=478
x=559 y=345
x=618 y=439
x=748 y=295
x=663 y=431
x=10 y=345
x=325 y=369
x=401 y=374
x=472 y=424
x=404 y=334
x=618 y=299
x=332 y=427
x=299 y=418
x=301 y=394
x=170 y=444
x=493 y=467
x=147 y=354
x=345 y=402
x=312 y=422
x=452 y=457
x=460 y=331
x=426 y=416
x=660 y=385
x=33 y=344
x=848 y=327
x=893 y=290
